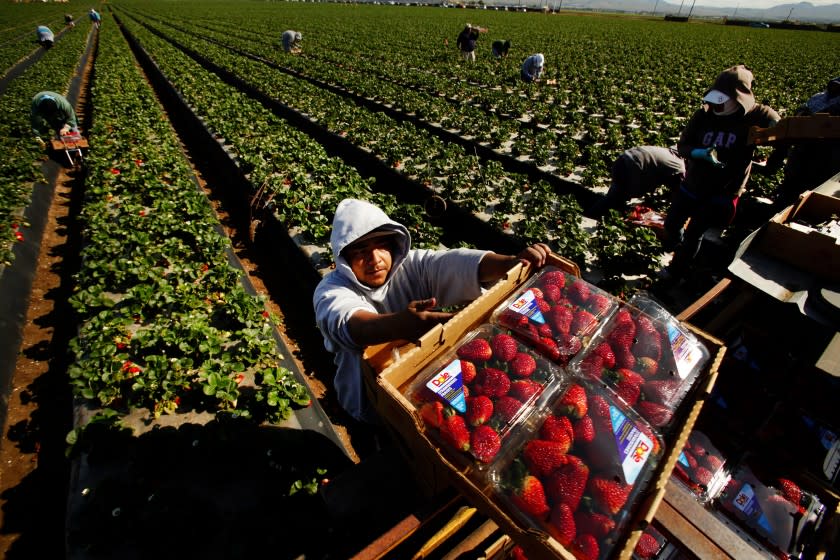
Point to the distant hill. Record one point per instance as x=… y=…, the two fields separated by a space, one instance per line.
x=798 y=11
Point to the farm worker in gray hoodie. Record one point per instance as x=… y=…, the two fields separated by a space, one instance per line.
x=291 y=41
x=532 y=68
x=45 y=36
x=50 y=112
x=383 y=290
x=718 y=159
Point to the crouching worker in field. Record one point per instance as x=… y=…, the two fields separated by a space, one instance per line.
x=51 y=113
x=500 y=49
x=639 y=171
x=532 y=68
x=383 y=290
x=44 y=36
x=291 y=41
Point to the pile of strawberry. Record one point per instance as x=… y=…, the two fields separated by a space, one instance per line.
x=699 y=464
x=572 y=309
x=501 y=379
x=629 y=356
x=567 y=477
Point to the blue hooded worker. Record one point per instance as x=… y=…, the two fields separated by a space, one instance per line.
x=383 y=290
x=44 y=36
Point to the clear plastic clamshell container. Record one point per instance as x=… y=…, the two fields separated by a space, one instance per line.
x=651 y=362
x=577 y=470
x=471 y=397
x=556 y=312
x=701 y=467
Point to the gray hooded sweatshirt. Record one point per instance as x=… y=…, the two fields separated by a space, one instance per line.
x=451 y=276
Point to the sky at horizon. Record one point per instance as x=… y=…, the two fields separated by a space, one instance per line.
x=756 y=4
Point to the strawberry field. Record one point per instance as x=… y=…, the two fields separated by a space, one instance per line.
x=378 y=106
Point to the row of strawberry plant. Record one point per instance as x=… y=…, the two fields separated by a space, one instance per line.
x=532 y=211
x=18 y=172
x=166 y=323
x=17 y=38
x=306 y=181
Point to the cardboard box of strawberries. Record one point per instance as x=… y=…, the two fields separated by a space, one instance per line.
x=557 y=458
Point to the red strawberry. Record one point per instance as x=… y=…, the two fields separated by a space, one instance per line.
x=599 y=304
x=523 y=365
x=593 y=365
x=568 y=345
x=507 y=408
x=579 y=292
x=485 y=443
x=583 y=323
x=479 y=410
x=573 y=403
x=628 y=391
x=476 y=350
x=647 y=547
x=552 y=293
x=568 y=481
x=606 y=352
x=504 y=347
x=594 y=523
x=516 y=553
x=548 y=347
x=513 y=320
x=524 y=389
x=661 y=391
x=530 y=497
x=543 y=456
x=624 y=358
x=468 y=371
x=690 y=459
x=553 y=277
x=491 y=382
x=791 y=491
x=557 y=428
x=609 y=495
x=630 y=376
x=561 y=524
x=647 y=366
x=432 y=413
x=560 y=318
x=702 y=476
x=623 y=330
x=585 y=547
x=584 y=430
x=649 y=341
x=658 y=415
x=454 y=431
x=713 y=462
x=537 y=292
x=544 y=330
x=542 y=304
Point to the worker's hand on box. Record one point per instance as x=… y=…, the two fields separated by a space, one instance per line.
x=422 y=315
x=708 y=155
x=64 y=130
x=536 y=254
x=41 y=143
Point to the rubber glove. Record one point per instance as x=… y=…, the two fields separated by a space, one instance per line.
x=708 y=155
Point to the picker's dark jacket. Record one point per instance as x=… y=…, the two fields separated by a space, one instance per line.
x=728 y=134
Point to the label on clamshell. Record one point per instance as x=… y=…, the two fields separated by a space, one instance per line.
x=634 y=446
x=748 y=504
x=687 y=354
x=449 y=386
x=527 y=305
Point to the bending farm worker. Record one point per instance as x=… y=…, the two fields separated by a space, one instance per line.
x=51 y=113
x=639 y=171
x=95 y=18
x=500 y=49
x=291 y=41
x=532 y=68
x=718 y=158
x=383 y=290
x=45 y=36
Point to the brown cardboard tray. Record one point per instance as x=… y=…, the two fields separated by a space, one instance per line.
x=388 y=374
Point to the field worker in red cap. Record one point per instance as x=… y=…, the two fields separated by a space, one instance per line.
x=718 y=163
x=532 y=68
x=383 y=290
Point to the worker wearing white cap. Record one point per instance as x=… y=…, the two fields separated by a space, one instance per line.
x=532 y=68
x=718 y=158
x=291 y=41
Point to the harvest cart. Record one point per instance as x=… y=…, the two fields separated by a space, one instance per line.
x=71 y=145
